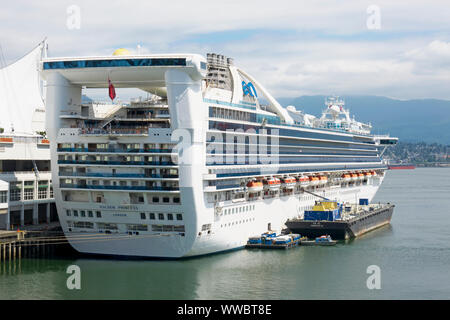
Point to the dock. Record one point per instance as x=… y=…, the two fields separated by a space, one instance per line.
x=292 y=244
x=31 y=244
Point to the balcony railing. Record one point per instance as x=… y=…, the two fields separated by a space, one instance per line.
x=117 y=150
x=114 y=131
x=116 y=175
x=125 y=163
x=103 y=187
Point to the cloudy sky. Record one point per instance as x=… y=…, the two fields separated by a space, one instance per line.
x=399 y=49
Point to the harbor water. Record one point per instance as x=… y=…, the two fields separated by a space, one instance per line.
x=413 y=256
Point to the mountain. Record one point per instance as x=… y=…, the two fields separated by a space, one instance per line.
x=426 y=120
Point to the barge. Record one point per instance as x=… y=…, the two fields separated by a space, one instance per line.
x=341 y=221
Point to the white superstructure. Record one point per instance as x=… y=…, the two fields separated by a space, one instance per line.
x=26 y=195
x=207 y=162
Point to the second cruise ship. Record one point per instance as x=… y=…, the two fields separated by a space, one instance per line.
x=208 y=161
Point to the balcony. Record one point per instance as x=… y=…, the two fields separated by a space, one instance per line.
x=117 y=150
x=114 y=131
x=116 y=175
x=102 y=187
x=120 y=163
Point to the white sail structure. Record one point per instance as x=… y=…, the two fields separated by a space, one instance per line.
x=21 y=94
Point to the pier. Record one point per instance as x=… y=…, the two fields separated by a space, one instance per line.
x=31 y=244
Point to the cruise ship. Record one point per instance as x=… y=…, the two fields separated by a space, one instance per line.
x=207 y=161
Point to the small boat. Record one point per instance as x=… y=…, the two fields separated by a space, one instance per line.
x=303 y=180
x=368 y=174
x=323 y=179
x=272 y=183
x=361 y=176
x=354 y=177
x=288 y=183
x=320 y=241
x=346 y=177
x=254 y=186
x=313 y=180
x=282 y=240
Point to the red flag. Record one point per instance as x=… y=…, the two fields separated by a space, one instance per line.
x=112 y=91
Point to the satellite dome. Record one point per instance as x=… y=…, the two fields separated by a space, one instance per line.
x=121 y=52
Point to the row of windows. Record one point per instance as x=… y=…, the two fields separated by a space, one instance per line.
x=151 y=216
x=246 y=208
x=145 y=62
x=162 y=216
x=165 y=199
x=83 y=213
x=224 y=126
x=229 y=224
x=130 y=227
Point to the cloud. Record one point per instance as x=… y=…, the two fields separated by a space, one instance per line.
x=292 y=47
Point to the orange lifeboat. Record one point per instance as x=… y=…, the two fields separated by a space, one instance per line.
x=272 y=183
x=314 y=180
x=346 y=177
x=361 y=176
x=368 y=174
x=374 y=174
x=303 y=180
x=289 y=182
x=254 y=186
x=323 y=179
x=354 y=176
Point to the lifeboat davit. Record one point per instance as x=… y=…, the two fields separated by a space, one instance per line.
x=272 y=183
x=303 y=180
x=289 y=182
x=254 y=186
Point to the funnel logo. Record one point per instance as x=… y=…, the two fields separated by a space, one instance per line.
x=249 y=89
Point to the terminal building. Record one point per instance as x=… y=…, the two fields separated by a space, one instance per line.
x=26 y=193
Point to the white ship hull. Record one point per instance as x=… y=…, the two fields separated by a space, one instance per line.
x=222 y=237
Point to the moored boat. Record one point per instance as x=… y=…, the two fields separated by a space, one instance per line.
x=254 y=186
